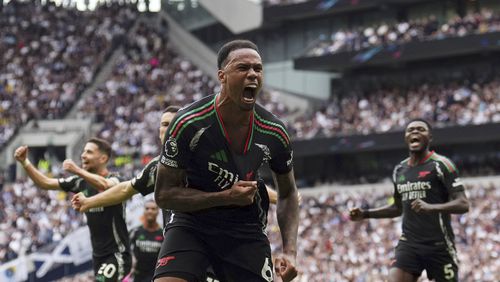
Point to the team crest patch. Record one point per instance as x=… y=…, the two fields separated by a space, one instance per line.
x=171 y=149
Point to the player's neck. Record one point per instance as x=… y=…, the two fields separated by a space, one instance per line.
x=418 y=156
x=150 y=225
x=103 y=171
x=231 y=114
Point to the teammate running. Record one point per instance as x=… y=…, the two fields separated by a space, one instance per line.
x=427 y=190
x=209 y=177
x=108 y=231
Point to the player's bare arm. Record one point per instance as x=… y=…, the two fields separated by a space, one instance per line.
x=171 y=192
x=288 y=220
x=458 y=204
x=113 y=196
x=389 y=211
x=288 y=210
x=99 y=182
x=40 y=180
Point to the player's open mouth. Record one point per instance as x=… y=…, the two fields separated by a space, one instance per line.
x=249 y=93
x=414 y=141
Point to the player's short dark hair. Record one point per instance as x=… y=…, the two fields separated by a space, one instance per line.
x=171 y=109
x=102 y=145
x=150 y=201
x=230 y=46
x=421 y=120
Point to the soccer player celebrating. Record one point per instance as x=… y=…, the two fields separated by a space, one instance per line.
x=209 y=177
x=146 y=242
x=108 y=231
x=427 y=190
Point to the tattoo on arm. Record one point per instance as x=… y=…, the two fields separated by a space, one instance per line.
x=287 y=210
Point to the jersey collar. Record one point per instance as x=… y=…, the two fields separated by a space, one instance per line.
x=248 y=141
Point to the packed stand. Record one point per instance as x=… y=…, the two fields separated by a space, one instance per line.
x=389 y=109
x=333 y=248
x=407 y=31
x=145 y=80
x=48 y=58
x=31 y=218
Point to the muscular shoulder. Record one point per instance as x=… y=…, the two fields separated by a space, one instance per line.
x=190 y=116
x=270 y=125
x=444 y=163
x=398 y=167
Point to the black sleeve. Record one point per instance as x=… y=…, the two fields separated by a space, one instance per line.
x=144 y=182
x=449 y=176
x=175 y=152
x=133 y=235
x=71 y=184
x=282 y=156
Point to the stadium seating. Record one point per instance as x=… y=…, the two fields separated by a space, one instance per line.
x=48 y=58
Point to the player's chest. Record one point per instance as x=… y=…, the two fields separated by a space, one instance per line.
x=419 y=182
x=218 y=162
x=149 y=242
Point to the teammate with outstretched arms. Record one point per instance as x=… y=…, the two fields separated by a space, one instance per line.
x=208 y=176
x=427 y=190
x=108 y=231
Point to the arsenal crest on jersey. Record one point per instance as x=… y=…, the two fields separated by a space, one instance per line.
x=171 y=149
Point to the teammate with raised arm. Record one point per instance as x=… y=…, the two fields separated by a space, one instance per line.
x=108 y=231
x=427 y=190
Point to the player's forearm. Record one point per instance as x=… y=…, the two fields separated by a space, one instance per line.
x=187 y=199
x=95 y=180
x=457 y=206
x=113 y=196
x=273 y=195
x=40 y=179
x=389 y=211
x=288 y=221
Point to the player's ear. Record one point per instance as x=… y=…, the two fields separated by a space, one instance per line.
x=104 y=158
x=221 y=76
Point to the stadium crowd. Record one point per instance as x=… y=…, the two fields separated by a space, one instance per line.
x=47 y=58
x=429 y=28
x=388 y=109
x=31 y=219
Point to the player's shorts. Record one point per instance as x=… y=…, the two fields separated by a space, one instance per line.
x=186 y=254
x=439 y=261
x=112 y=268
